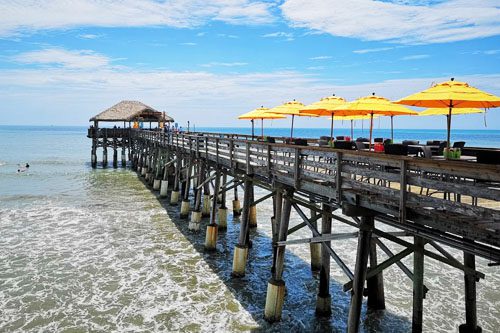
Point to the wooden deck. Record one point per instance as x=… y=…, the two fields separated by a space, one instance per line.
x=453 y=203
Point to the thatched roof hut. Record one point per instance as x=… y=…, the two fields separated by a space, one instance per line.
x=131 y=111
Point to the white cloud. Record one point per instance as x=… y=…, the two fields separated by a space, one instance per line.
x=89 y=36
x=378 y=49
x=44 y=95
x=397 y=21
x=278 y=34
x=79 y=59
x=201 y=34
x=227 y=36
x=416 y=57
x=320 y=58
x=315 y=68
x=188 y=44
x=21 y=16
x=224 y=64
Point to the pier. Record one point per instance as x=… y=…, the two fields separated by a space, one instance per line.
x=426 y=203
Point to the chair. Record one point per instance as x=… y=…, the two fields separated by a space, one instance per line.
x=359 y=145
x=270 y=139
x=410 y=142
x=488 y=156
x=459 y=144
x=342 y=138
x=361 y=139
x=440 y=150
x=300 y=142
x=323 y=143
x=326 y=138
x=387 y=142
x=396 y=149
x=343 y=145
x=378 y=140
x=425 y=152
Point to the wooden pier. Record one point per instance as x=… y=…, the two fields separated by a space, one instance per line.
x=428 y=202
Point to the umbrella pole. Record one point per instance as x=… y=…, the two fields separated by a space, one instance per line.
x=252 y=128
x=371 y=129
x=262 y=128
x=291 y=131
x=448 y=125
x=352 y=131
x=331 y=130
x=392 y=129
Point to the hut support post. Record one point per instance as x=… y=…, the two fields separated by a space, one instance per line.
x=324 y=300
x=123 y=156
x=363 y=251
x=418 y=285
x=115 y=154
x=212 y=228
x=222 y=208
x=276 y=286
x=470 y=325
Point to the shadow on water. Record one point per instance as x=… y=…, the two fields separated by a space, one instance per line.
x=302 y=285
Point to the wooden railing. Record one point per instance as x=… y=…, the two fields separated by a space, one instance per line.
x=458 y=199
x=110 y=133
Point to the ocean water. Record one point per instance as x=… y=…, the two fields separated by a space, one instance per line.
x=84 y=250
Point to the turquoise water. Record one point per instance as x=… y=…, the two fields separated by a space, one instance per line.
x=95 y=250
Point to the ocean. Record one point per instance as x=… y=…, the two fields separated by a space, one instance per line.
x=95 y=250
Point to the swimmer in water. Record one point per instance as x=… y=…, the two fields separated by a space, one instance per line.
x=27 y=166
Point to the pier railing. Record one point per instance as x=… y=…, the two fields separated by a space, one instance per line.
x=454 y=202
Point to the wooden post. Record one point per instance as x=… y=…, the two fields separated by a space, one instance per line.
x=470 y=325
x=105 y=152
x=222 y=208
x=205 y=211
x=185 y=194
x=212 y=228
x=174 y=196
x=324 y=300
x=276 y=286
x=418 y=285
x=315 y=248
x=240 y=255
x=124 y=159
x=253 y=209
x=236 y=201
x=376 y=295
x=363 y=251
x=115 y=155
x=275 y=222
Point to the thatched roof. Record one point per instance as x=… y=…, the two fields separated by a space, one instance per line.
x=129 y=111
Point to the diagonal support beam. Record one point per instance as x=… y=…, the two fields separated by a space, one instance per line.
x=316 y=233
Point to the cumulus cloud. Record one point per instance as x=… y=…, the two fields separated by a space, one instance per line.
x=21 y=16
x=79 y=59
x=397 y=21
x=320 y=58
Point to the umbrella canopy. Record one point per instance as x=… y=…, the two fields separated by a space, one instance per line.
x=291 y=108
x=451 y=94
x=325 y=107
x=375 y=105
x=445 y=111
x=260 y=113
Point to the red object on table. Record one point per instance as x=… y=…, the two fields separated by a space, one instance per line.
x=378 y=147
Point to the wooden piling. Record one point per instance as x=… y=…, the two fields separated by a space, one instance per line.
x=222 y=214
x=276 y=286
x=470 y=325
x=315 y=248
x=324 y=300
x=212 y=228
x=363 y=251
x=375 y=284
x=418 y=285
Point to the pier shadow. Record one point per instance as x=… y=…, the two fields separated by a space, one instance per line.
x=302 y=285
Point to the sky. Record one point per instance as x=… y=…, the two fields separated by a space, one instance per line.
x=207 y=61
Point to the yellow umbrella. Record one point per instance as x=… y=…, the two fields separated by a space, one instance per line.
x=260 y=113
x=291 y=108
x=444 y=111
x=376 y=105
x=324 y=107
x=451 y=94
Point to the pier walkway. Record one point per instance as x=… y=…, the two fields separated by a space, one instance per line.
x=428 y=203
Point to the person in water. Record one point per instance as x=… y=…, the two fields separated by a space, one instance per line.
x=27 y=166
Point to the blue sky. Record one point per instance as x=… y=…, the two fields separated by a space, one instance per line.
x=208 y=61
